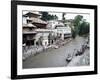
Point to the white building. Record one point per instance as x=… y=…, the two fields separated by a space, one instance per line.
x=59 y=29
x=53 y=23
x=43 y=34
x=64 y=32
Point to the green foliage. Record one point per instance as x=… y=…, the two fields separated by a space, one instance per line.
x=81 y=27
x=77 y=20
x=46 y=16
x=73 y=33
x=63 y=16
x=84 y=28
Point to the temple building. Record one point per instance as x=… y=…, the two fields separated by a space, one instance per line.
x=32 y=22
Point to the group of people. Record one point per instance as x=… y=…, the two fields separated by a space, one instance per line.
x=78 y=52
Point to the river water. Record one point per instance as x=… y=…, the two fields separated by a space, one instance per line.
x=54 y=57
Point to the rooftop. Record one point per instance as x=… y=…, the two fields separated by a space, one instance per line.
x=37 y=20
x=29 y=25
x=32 y=13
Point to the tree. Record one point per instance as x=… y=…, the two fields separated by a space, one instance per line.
x=81 y=27
x=46 y=16
x=84 y=28
x=55 y=17
x=77 y=22
x=63 y=16
x=73 y=33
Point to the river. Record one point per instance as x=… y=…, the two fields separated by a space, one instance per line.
x=54 y=57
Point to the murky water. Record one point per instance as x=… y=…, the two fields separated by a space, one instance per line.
x=53 y=57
